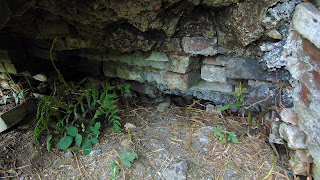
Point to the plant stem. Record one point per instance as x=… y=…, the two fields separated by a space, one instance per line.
x=129 y=135
x=55 y=67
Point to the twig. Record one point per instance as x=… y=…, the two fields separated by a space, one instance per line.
x=75 y=155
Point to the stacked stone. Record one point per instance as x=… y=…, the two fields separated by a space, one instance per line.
x=301 y=127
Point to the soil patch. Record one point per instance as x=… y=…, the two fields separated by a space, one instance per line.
x=175 y=144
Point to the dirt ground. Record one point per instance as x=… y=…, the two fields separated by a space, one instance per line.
x=175 y=144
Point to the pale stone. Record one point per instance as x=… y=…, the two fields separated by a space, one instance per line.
x=274 y=34
x=181 y=81
x=158 y=56
x=306 y=21
x=213 y=86
x=183 y=63
x=289 y=116
x=296 y=139
x=213 y=73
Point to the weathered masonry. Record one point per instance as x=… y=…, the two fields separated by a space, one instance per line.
x=199 y=48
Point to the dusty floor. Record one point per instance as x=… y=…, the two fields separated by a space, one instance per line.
x=175 y=144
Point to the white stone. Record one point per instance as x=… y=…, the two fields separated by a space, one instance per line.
x=296 y=139
x=213 y=73
x=289 y=116
x=306 y=21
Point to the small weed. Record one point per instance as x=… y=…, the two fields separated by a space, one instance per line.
x=115 y=170
x=222 y=136
x=127 y=159
x=239 y=100
x=232 y=136
x=222 y=139
x=217 y=130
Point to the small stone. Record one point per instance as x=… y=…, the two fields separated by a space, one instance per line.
x=274 y=34
x=163 y=106
x=289 y=116
x=205 y=133
x=296 y=139
x=274 y=136
x=211 y=108
x=298 y=167
x=177 y=171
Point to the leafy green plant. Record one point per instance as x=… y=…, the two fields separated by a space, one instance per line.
x=127 y=158
x=66 y=141
x=216 y=130
x=232 y=136
x=239 y=100
x=54 y=114
x=222 y=137
x=17 y=97
x=115 y=170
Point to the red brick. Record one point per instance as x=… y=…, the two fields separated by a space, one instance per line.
x=304 y=95
x=316 y=78
x=312 y=51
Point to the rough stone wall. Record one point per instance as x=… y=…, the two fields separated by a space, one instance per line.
x=199 y=48
x=302 y=123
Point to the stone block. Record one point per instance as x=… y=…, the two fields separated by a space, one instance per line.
x=244 y=19
x=181 y=81
x=158 y=56
x=109 y=69
x=307 y=16
x=299 y=161
x=170 y=45
x=12 y=117
x=183 y=63
x=156 y=77
x=135 y=59
x=130 y=73
x=144 y=88
x=238 y=68
x=200 y=45
x=215 y=60
x=70 y=43
x=214 y=73
x=296 y=139
x=213 y=86
x=289 y=116
x=50 y=29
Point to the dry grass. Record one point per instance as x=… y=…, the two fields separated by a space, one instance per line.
x=162 y=139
